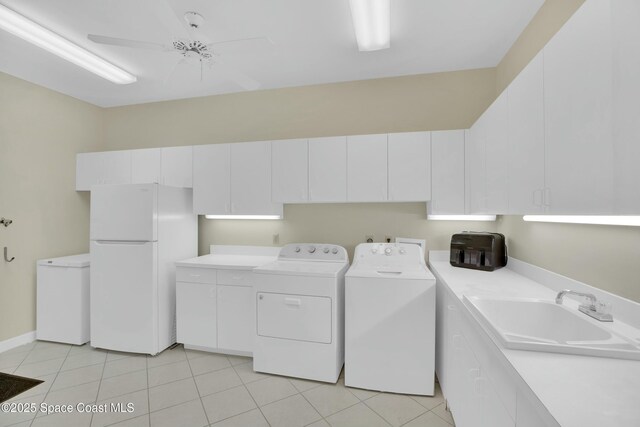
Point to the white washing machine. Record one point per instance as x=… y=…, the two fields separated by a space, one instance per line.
x=300 y=312
x=390 y=297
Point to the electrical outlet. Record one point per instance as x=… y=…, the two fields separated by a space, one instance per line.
x=276 y=239
x=388 y=239
x=368 y=238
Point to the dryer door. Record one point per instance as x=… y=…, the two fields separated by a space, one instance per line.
x=294 y=317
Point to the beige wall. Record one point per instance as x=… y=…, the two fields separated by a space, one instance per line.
x=549 y=19
x=428 y=101
x=40 y=133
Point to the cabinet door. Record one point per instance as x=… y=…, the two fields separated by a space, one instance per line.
x=328 y=169
x=367 y=168
x=577 y=104
x=447 y=172
x=494 y=413
x=475 y=167
x=409 y=162
x=177 y=166
x=116 y=167
x=88 y=171
x=251 y=179
x=196 y=314
x=236 y=313
x=496 y=157
x=146 y=166
x=626 y=108
x=211 y=192
x=526 y=139
x=290 y=171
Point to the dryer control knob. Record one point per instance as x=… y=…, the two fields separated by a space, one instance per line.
x=334 y=251
x=311 y=249
x=402 y=251
x=374 y=250
x=325 y=250
x=387 y=251
x=298 y=249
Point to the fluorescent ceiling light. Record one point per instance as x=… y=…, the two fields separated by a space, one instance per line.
x=462 y=217
x=243 y=217
x=372 y=22
x=28 y=30
x=587 y=219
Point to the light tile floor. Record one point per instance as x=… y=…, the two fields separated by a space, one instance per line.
x=195 y=389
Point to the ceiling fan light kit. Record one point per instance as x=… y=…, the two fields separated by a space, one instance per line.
x=33 y=33
x=372 y=23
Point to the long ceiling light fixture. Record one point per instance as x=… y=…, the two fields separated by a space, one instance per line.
x=31 y=32
x=372 y=22
x=243 y=216
x=628 y=220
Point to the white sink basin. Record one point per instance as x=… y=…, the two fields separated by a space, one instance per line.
x=539 y=325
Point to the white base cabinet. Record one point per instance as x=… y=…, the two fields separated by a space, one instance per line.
x=473 y=378
x=215 y=310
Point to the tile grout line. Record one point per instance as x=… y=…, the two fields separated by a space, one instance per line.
x=100 y=385
x=54 y=380
x=250 y=395
x=197 y=389
x=146 y=365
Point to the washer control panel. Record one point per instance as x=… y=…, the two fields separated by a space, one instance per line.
x=389 y=254
x=313 y=252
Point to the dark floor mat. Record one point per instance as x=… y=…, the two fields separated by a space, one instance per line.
x=12 y=385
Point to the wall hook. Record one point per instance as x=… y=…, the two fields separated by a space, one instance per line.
x=6 y=222
x=6 y=257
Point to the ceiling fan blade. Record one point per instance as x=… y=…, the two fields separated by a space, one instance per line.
x=114 y=41
x=169 y=19
x=241 y=79
x=242 y=45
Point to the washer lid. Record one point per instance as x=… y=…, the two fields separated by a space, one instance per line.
x=304 y=268
x=417 y=272
x=82 y=260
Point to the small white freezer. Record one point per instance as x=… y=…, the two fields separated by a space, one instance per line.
x=63 y=299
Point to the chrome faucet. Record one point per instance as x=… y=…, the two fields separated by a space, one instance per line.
x=590 y=309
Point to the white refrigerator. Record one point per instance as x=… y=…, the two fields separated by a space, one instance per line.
x=138 y=232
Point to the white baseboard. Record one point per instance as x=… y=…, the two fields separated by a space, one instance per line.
x=17 y=341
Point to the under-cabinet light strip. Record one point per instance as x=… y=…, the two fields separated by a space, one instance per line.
x=628 y=220
x=33 y=33
x=243 y=217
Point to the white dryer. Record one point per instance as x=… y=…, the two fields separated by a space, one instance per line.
x=390 y=311
x=300 y=312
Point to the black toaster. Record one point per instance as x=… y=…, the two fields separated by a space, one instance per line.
x=478 y=250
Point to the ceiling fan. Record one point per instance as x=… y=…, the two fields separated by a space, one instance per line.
x=191 y=44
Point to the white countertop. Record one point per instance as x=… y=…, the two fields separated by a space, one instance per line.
x=578 y=391
x=229 y=262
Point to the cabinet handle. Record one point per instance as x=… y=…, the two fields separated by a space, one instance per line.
x=474 y=374
x=480 y=386
x=537 y=197
x=452 y=308
x=293 y=302
x=547 y=197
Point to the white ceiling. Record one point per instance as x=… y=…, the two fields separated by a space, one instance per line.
x=313 y=40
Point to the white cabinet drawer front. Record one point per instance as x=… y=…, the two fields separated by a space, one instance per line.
x=196 y=275
x=235 y=277
x=294 y=317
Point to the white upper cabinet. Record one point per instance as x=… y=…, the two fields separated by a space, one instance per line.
x=496 y=154
x=211 y=179
x=251 y=179
x=447 y=173
x=626 y=108
x=146 y=166
x=290 y=171
x=578 y=120
x=367 y=168
x=409 y=161
x=475 y=168
x=328 y=169
x=526 y=140
x=177 y=166
x=109 y=167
